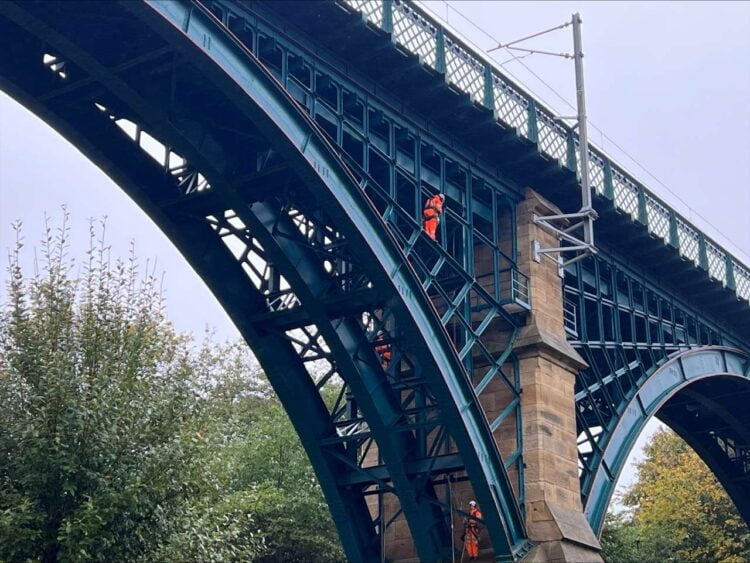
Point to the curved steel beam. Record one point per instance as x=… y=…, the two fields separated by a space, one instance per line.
x=253 y=91
x=668 y=379
x=257 y=94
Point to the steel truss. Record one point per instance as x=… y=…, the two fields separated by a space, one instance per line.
x=630 y=333
x=277 y=222
x=399 y=166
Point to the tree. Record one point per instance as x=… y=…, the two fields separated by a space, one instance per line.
x=623 y=541
x=101 y=455
x=679 y=511
x=121 y=440
x=259 y=464
x=290 y=509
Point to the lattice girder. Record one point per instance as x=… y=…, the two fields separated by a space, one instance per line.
x=626 y=329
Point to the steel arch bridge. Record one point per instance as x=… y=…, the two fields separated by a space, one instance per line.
x=285 y=150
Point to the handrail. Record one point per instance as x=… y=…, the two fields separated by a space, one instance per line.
x=480 y=78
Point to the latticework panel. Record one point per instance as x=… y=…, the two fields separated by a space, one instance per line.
x=415 y=33
x=249 y=253
x=553 y=139
x=596 y=172
x=742 y=281
x=188 y=179
x=626 y=193
x=596 y=166
x=717 y=263
x=464 y=71
x=510 y=106
x=658 y=218
x=688 y=238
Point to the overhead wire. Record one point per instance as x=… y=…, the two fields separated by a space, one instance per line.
x=692 y=212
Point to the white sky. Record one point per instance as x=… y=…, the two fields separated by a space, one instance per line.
x=669 y=82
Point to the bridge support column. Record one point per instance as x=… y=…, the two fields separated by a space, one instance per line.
x=548 y=367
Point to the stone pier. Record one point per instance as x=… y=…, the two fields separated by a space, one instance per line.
x=548 y=366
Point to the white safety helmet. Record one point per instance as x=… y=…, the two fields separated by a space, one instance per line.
x=472 y=503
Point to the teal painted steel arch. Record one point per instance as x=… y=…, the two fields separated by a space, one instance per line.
x=140 y=177
x=672 y=376
x=321 y=170
x=277 y=115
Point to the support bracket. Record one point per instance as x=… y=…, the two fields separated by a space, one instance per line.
x=560 y=225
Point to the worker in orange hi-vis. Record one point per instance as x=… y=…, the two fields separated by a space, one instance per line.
x=383 y=350
x=433 y=209
x=472 y=527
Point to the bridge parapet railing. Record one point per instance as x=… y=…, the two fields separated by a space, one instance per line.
x=741 y=278
x=474 y=74
x=658 y=218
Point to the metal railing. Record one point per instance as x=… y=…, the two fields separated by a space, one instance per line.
x=520 y=288
x=473 y=73
x=570 y=317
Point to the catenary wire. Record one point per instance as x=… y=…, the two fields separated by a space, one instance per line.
x=691 y=211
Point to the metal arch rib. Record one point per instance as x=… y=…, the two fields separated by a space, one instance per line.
x=622 y=437
x=138 y=176
x=262 y=99
x=471 y=432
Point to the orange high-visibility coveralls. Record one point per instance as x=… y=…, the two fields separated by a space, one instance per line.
x=384 y=350
x=433 y=208
x=471 y=533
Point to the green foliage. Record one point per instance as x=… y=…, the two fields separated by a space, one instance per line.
x=294 y=526
x=623 y=541
x=678 y=511
x=94 y=389
x=290 y=506
x=122 y=442
x=214 y=529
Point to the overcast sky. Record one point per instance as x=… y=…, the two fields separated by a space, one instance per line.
x=668 y=82
x=667 y=91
